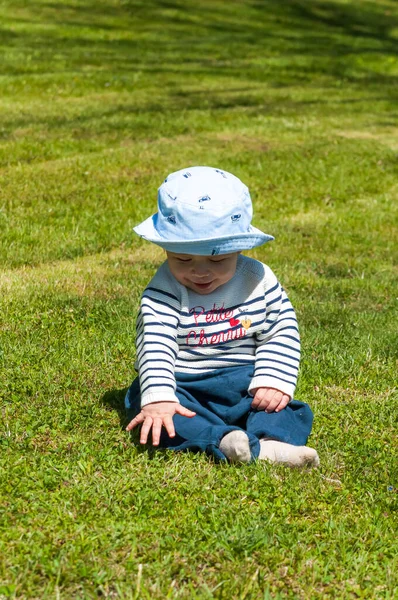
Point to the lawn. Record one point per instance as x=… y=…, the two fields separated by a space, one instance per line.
x=99 y=102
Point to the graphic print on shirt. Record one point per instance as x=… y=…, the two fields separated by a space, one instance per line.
x=246 y=322
x=252 y=323
x=234 y=328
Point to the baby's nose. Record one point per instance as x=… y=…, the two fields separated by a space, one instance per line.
x=201 y=270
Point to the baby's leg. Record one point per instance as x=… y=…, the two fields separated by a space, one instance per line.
x=206 y=432
x=292 y=456
x=235 y=445
x=220 y=406
x=283 y=435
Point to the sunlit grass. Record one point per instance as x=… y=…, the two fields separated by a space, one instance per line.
x=99 y=101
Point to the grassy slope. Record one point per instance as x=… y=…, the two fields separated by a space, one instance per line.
x=99 y=101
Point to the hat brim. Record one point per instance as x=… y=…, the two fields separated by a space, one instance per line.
x=204 y=246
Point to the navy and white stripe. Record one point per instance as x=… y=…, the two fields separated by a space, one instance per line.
x=249 y=320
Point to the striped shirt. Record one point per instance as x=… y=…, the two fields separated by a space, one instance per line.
x=248 y=320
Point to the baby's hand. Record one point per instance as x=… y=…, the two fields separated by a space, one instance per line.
x=269 y=399
x=155 y=416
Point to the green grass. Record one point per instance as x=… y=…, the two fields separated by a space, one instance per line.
x=99 y=101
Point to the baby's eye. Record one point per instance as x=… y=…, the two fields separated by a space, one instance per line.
x=185 y=260
x=220 y=260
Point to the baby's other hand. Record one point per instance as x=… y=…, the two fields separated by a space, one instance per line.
x=155 y=416
x=269 y=399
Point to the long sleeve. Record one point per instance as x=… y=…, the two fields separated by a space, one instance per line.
x=157 y=346
x=277 y=354
x=249 y=320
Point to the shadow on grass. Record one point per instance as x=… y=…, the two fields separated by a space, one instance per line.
x=114 y=400
x=368 y=20
x=165 y=35
x=184 y=47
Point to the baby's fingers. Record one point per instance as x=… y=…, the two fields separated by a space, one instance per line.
x=185 y=412
x=262 y=399
x=136 y=421
x=145 y=429
x=283 y=403
x=156 y=430
x=169 y=425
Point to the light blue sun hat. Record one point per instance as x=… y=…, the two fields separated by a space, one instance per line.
x=203 y=211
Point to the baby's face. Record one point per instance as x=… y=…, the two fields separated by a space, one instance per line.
x=202 y=274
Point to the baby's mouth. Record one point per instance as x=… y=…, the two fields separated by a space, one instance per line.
x=203 y=285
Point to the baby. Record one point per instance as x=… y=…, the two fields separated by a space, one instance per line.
x=218 y=346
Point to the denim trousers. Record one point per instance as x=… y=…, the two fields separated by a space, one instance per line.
x=222 y=404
